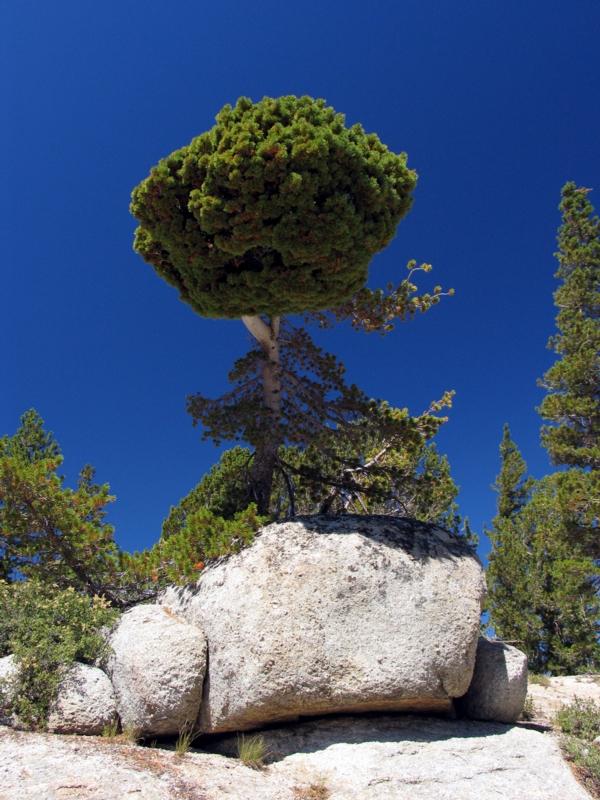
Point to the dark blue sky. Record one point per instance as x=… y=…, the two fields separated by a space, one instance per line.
x=496 y=104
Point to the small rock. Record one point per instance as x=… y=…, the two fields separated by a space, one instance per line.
x=499 y=686
x=86 y=702
x=157 y=669
x=8 y=674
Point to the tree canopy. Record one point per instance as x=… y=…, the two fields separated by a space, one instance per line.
x=572 y=404
x=279 y=208
x=543 y=574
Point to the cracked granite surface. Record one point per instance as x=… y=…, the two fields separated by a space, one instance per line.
x=373 y=757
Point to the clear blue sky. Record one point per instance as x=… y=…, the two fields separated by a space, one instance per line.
x=496 y=104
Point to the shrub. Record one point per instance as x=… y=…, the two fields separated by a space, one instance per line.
x=47 y=629
x=529 y=710
x=540 y=680
x=581 y=719
x=586 y=759
x=183 y=555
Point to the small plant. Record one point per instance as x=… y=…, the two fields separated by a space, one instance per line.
x=111 y=731
x=252 y=750
x=529 y=710
x=580 y=719
x=585 y=758
x=185 y=739
x=540 y=680
x=130 y=734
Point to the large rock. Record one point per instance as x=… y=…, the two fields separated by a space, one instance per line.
x=325 y=615
x=85 y=703
x=499 y=686
x=157 y=669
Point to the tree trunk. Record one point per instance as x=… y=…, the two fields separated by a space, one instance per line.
x=265 y=456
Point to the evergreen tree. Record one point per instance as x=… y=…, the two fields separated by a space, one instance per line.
x=541 y=585
x=572 y=403
x=48 y=531
x=416 y=484
x=224 y=491
x=30 y=442
x=279 y=209
x=511 y=485
x=509 y=562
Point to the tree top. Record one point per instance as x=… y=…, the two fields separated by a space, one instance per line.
x=278 y=208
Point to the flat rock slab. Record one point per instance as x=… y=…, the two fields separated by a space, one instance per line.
x=548 y=699
x=371 y=758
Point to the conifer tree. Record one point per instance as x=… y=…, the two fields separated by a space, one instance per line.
x=572 y=403
x=416 y=483
x=543 y=573
x=508 y=600
x=541 y=585
x=511 y=485
x=48 y=531
x=279 y=209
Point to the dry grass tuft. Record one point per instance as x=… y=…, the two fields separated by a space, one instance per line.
x=252 y=750
x=315 y=790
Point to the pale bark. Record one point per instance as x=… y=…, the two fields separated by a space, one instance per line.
x=265 y=457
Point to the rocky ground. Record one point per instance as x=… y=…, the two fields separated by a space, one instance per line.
x=548 y=696
x=374 y=757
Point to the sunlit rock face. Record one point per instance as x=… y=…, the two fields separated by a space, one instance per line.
x=157 y=667
x=325 y=615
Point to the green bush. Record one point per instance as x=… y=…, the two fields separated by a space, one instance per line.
x=586 y=758
x=540 y=680
x=581 y=719
x=182 y=556
x=47 y=629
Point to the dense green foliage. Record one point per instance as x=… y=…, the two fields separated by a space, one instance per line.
x=46 y=629
x=415 y=483
x=57 y=535
x=580 y=722
x=180 y=557
x=543 y=573
x=542 y=592
x=511 y=485
x=223 y=491
x=572 y=404
x=49 y=531
x=279 y=208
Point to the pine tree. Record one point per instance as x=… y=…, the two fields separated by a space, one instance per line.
x=543 y=572
x=541 y=585
x=279 y=209
x=561 y=603
x=48 y=531
x=572 y=404
x=509 y=562
x=511 y=485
